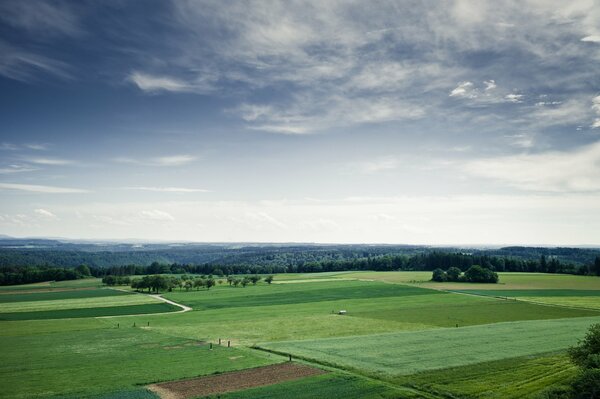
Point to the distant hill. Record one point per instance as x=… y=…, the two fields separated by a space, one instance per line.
x=58 y=253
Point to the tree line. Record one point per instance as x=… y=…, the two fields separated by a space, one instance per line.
x=416 y=262
x=157 y=283
x=28 y=275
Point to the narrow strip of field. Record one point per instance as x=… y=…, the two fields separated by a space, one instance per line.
x=411 y=352
x=233 y=381
x=158 y=307
x=62 y=294
x=79 y=303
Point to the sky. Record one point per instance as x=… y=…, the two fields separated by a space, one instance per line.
x=417 y=122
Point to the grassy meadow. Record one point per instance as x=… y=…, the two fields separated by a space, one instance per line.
x=399 y=338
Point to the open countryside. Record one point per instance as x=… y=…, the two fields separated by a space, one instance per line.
x=398 y=329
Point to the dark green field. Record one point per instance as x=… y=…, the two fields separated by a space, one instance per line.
x=90 y=312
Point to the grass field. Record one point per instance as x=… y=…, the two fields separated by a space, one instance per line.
x=158 y=307
x=324 y=386
x=405 y=353
x=396 y=340
x=56 y=295
x=508 y=378
x=102 y=358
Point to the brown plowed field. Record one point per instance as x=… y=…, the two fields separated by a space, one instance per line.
x=234 y=381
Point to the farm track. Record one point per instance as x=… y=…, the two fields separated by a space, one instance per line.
x=156 y=296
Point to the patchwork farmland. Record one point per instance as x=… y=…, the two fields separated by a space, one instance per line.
x=402 y=337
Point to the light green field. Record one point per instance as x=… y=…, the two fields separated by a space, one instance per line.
x=80 y=303
x=405 y=353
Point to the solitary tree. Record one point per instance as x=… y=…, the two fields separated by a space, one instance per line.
x=269 y=279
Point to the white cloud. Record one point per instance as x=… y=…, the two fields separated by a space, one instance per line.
x=374 y=166
x=157 y=215
x=41 y=189
x=37 y=146
x=555 y=171
x=168 y=160
x=170 y=189
x=591 y=38
x=464 y=89
x=150 y=83
x=490 y=84
x=45 y=213
x=50 y=161
x=174 y=160
x=10 y=169
x=514 y=98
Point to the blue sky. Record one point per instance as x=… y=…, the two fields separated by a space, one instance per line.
x=460 y=122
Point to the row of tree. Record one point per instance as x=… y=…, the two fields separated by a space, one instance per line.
x=157 y=283
x=474 y=274
x=28 y=275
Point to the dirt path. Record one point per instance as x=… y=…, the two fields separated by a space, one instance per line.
x=183 y=307
x=155 y=296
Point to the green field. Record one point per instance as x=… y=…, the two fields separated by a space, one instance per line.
x=55 y=295
x=405 y=353
x=102 y=358
x=396 y=340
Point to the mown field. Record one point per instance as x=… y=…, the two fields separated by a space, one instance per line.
x=399 y=338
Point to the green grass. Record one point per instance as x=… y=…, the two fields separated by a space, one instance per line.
x=283 y=294
x=305 y=319
x=511 y=378
x=49 y=285
x=103 y=359
x=159 y=307
x=404 y=353
x=140 y=393
x=323 y=386
x=54 y=295
x=533 y=293
x=78 y=303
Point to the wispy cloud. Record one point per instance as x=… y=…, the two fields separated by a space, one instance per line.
x=376 y=165
x=151 y=83
x=50 y=161
x=45 y=213
x=25 y=66
x=41 y=189
x=554 y=171
x=170 y=189
x=41 y=17
x=10 y=169
x=157 y=215
x=168 y=160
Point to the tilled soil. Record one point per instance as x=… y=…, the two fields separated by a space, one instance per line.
x=233 y=381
